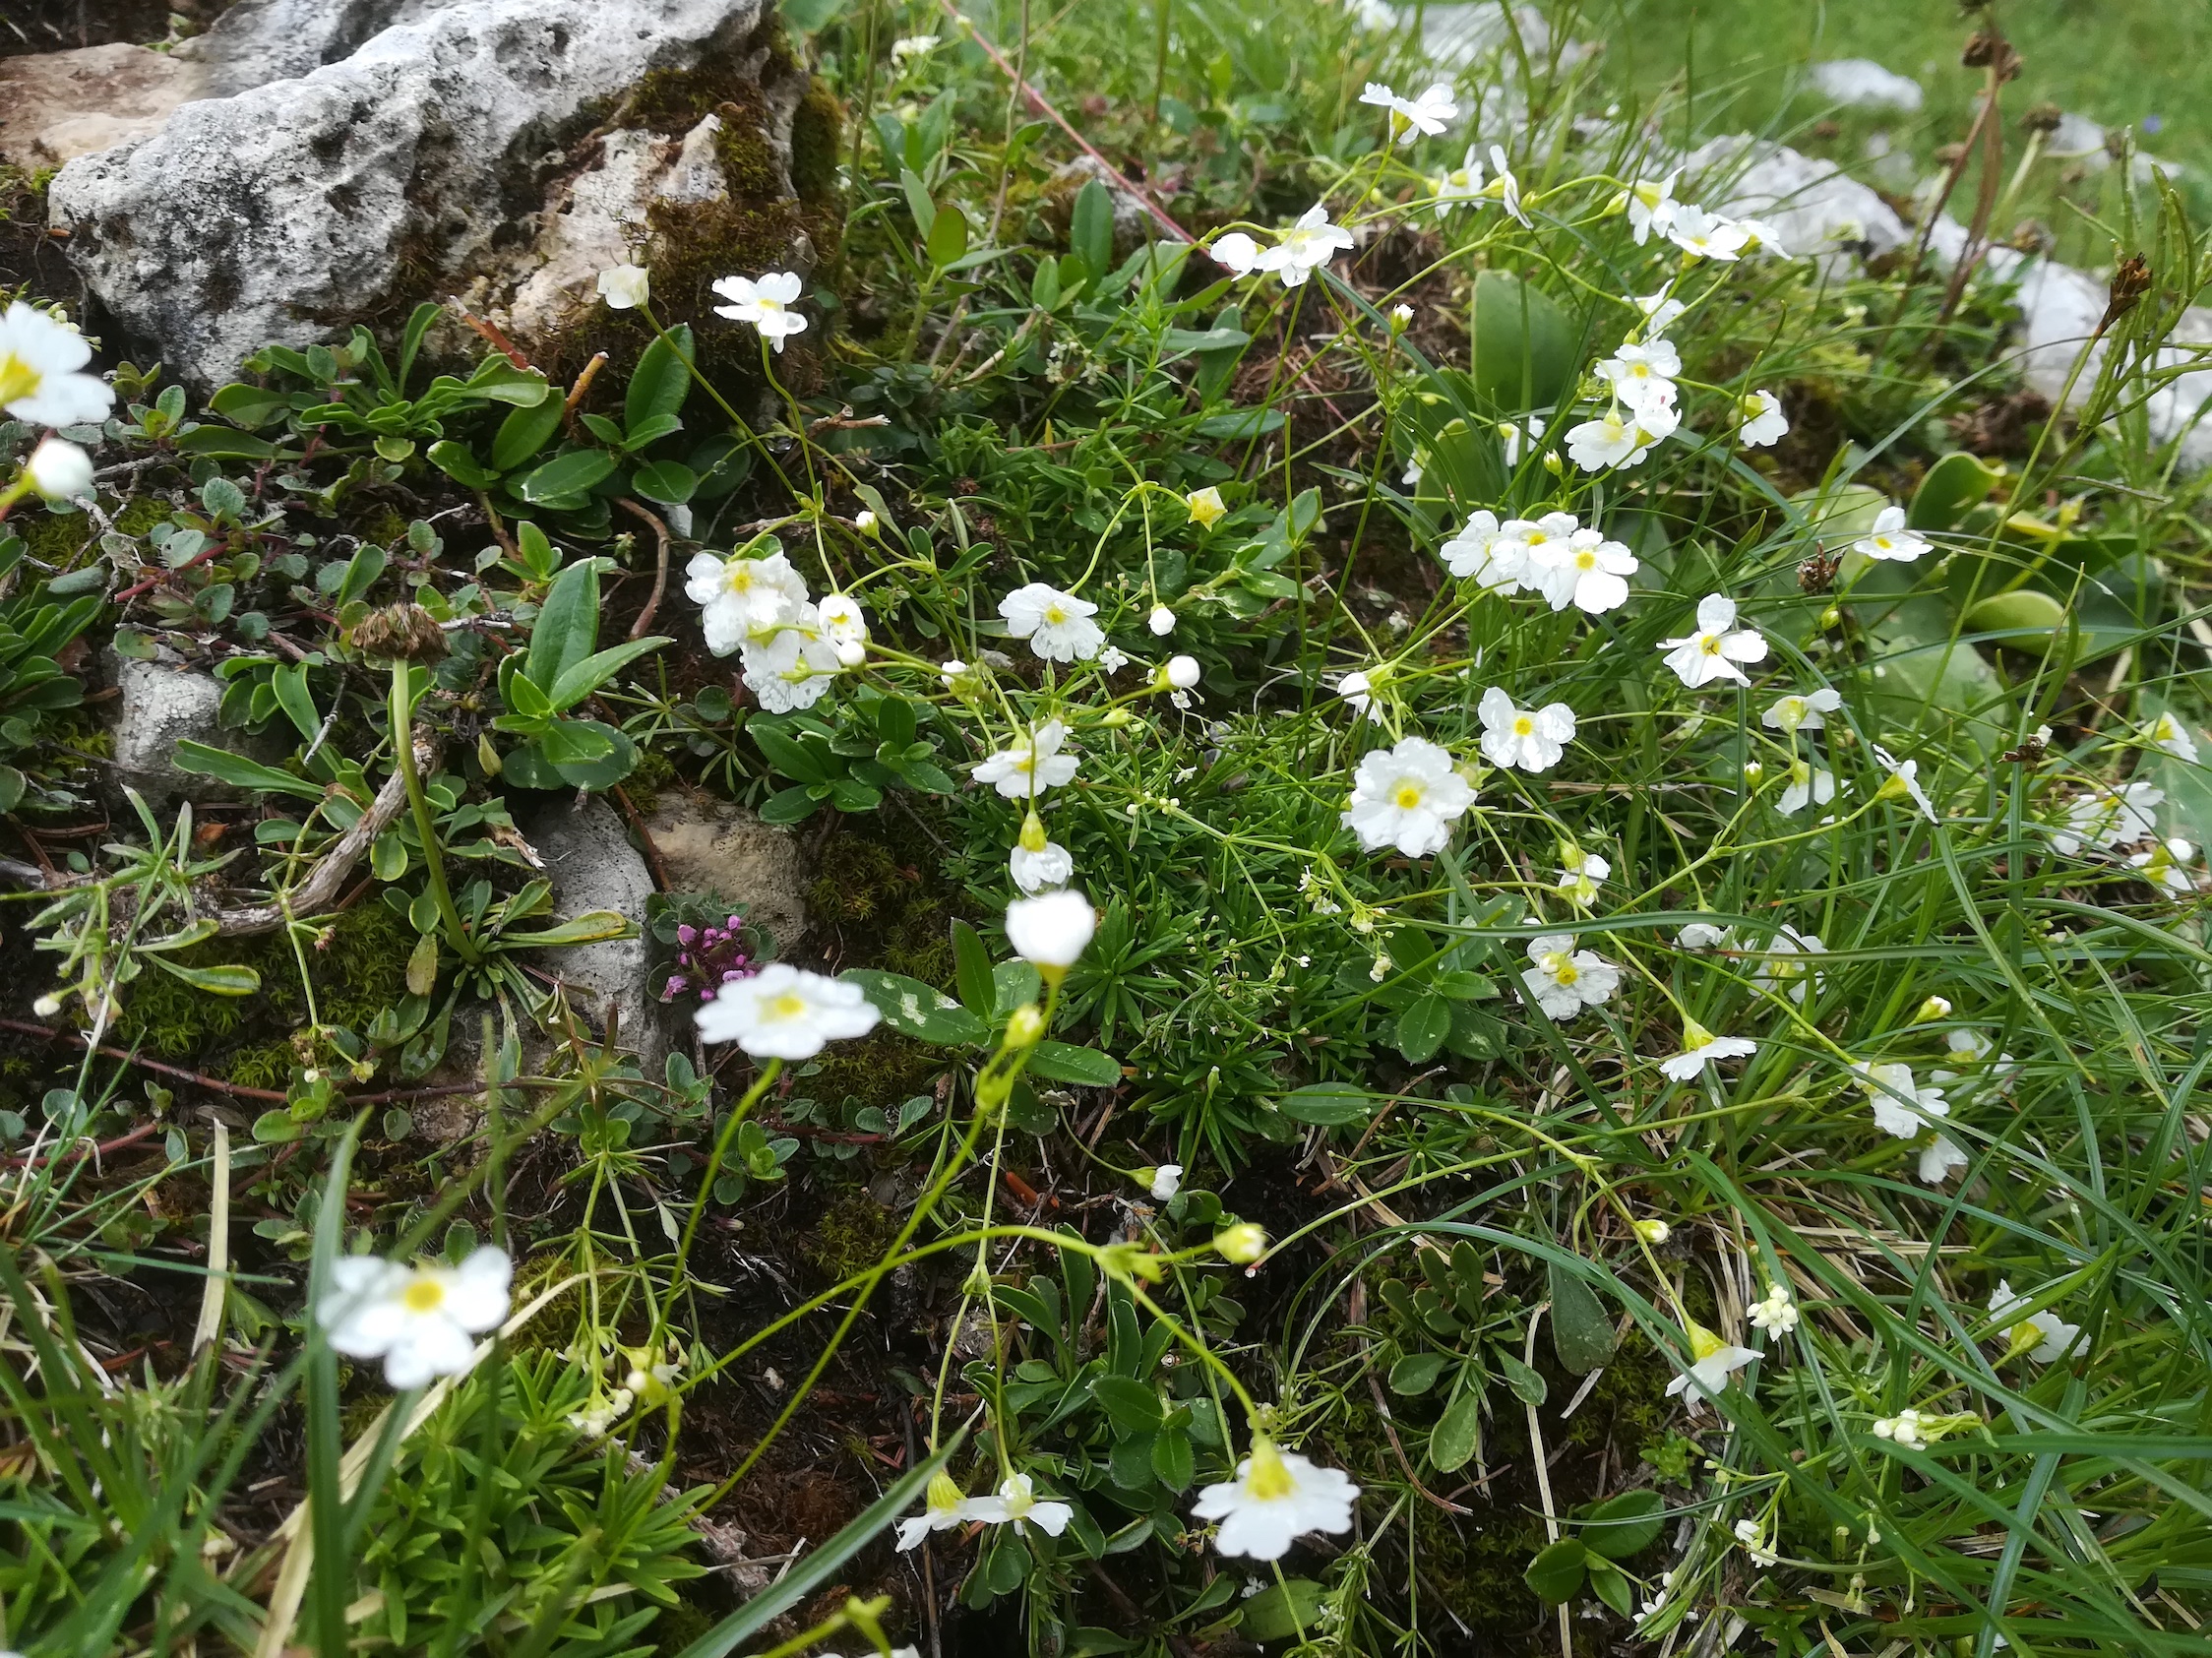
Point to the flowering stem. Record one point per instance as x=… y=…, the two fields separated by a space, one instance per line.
x=426 y=825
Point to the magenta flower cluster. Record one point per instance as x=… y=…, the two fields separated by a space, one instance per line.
x=710 y=958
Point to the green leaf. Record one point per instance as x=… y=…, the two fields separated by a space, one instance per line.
x=2033 y=619
x=523 y=433
x=567 y=625
x=947 y=235
x=1523 y=346
x=1625 y=1526
x=1941 y=687
x=1611 y=1586
x=239 y=772
x=919 y=207
x=603 y=770
x=1528 y=1385
x=388 y=856
x=660 y=382
x=576 y=742
x=249 y=406
x=1090 y=228
x=422 y=966
x=524 y=697
x=913 y=1009
x=216 y=981
x=1281 y=1610
x=793 y=805
x=669 y=482
x=788 y=755
x=574 y=473
x=590 y=927
x=1131 y=1405
x=1451 y=1443
x=1582 y=1334
x=971 y=971
x=1422 y=1028
x=1061 y=1062
x=1241 y=423
x=1950 y=488
x=1416 y=1373
x=1172 y=1459
x=1327 y=1104
x=221 y=443
x=361 y=573
x=579 y=678
x=1557 y=1572
x=289 y=683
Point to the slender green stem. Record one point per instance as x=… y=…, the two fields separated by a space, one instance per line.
x=426 y=823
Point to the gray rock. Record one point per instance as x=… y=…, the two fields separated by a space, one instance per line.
x=1863 y=84
x=395 y=174
x=716 y=846
x=160 y=704
x=592 y=866
x=257 y=42
x=56 y=106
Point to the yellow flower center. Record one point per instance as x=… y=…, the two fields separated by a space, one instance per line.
x=1055 y=615
x=1709 y=643
x=788 y=1005
x=1408 y=796
x=1523 y=726
x=1586 y=559
x=1562 y=968
x=18 y=379
x=769 y=307
x=424 y=1294
x=1269 y=1480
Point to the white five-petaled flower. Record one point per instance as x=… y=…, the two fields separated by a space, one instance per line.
x=1716 y=648
x=1711 y=1362
x=1057 y=625
x=59 y=470
x=1706 y=236
x=1207 y=509
x=1166 y=1181
x=1760 y=420
x=625 y=287
x=1701 y=1048
x=1358 y=689
x=1016 y=1502
x=1052 y=930
x=845 y=626
x=1761 y=237
x=944 y=1510
x=1504 y=188
x=1808 y=786
x=1236 y=251
x=1809 y=712
x=1903 y=779
x=1029 y=767
x=1580 y=875
x=794 y=664
x=38 y=380
x=1621 y=437
x=2166 y=865
x=1702 y=935
x=1050 y=865
x=785 y=1013
x=1642 y=375
x=2056 y=1338
x=1532 y=739
x=2109 y=816
x=1777 y=1315
x=1408 y=797
x=1412 y=118
x=1651 y=207
x=1753 y=1536
x=743 y=599
x=1659 y=309
x=765 y=303
x=1938 y=1157
x=1461 y=184
x=1785 y=963
x=1890 y=539
x=1276 y=1496
x=422 y=1320
x=2164 y=732
x=1902 y=1108
x=1564 y=980
x=1586 y=571
x=1302 y=249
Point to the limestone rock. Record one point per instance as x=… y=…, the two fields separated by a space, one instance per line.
x=712 y=846
x=162 y=704
x=395 y=174
x=257 y=42
x=592 y=866
x=60 y=105
x=1863 y=84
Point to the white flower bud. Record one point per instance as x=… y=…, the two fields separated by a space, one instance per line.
x=60 y=472
x=1161 y=621
x=624 y=286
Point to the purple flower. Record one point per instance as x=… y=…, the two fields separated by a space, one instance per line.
x=687 y=934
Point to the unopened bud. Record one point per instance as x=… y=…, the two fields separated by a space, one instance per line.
x=1026 y=1028
x=1243 y=1243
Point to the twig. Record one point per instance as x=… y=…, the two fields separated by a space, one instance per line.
x=80 y=1149
x=26 y=1028
x=513 y=351
x=583 y=378
x=660 y=565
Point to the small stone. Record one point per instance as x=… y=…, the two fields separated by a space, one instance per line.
x=60 y=105
x=718 y=847
x=592 y=866
x=162 y=704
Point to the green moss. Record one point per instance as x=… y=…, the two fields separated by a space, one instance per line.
x=853 y=1234
x=882 y=1069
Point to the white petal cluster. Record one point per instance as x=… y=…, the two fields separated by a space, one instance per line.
x=1701 y=1048
x=1417 y=117
x=786 y=1012
x=1294 y=256
x=1718 y=646
x=1563 y=981
x=1277 y=1496
x=1532 y=739
x=1031 y=766
x=765 y=302
x=1057 y=625
x=422 y=1320
x=790 y=648
x=40 y=379
x=1408 y=796
x=2058 y=1339
x=1890 y=541
x=2106 y=816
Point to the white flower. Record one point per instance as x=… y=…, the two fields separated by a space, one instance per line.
x=1031 y=768
x=422 y=1321
x=1489 y=553
x=1358 y=689
x=1653 y=1232
x=1565 y=980
x=1902 y=1429
x=1659 y=309
x=1642 y=375
x=844 y=625
x=46 y=1007
x=1532 y=739
x=785 y=1013
x=1938 y=1157
x=2165 y=732
x=1401 y=317
x=1903 y=778
x=864 y=521
x=59 y=470
x=1182 y=672
x=2109 y=816
x=1706 y=236
x=1166 y=1181
x=1161 y=621
x=38 y=380
x=1237 y=252
x=1806 y=786
x=1700 y=1047
x=1809 y=712
x=1051 y=865
x=1412 y=118
x=1408 y=797
x=1057 y=625
x=1712 y=1361
x=1760 y=420
x=1304 y=248
x=2058 y=1337
x=1901 y=1106
x=793 y=666
x=2166 y=865
x=743 y=597
x=1701 y=935
x=1462 y=184
x=946 y=1509
x=1113 y=659
x=1515 y=434
x=912 y=46
x=1714 y=650
x=1761 y=237
x=1207 y=509
x=1777 y=1315
x=1016 y=1502
x=1583 y=872
x=1504 y=187
x=625 y=287
x=1651 y=207
x=1782 y=966
x=1753 y=1536
x=766 y=304
x=1276 y=1496
x=1052 y=929
x=1890 y=539
x=1615 y=438
x=1587 y=572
